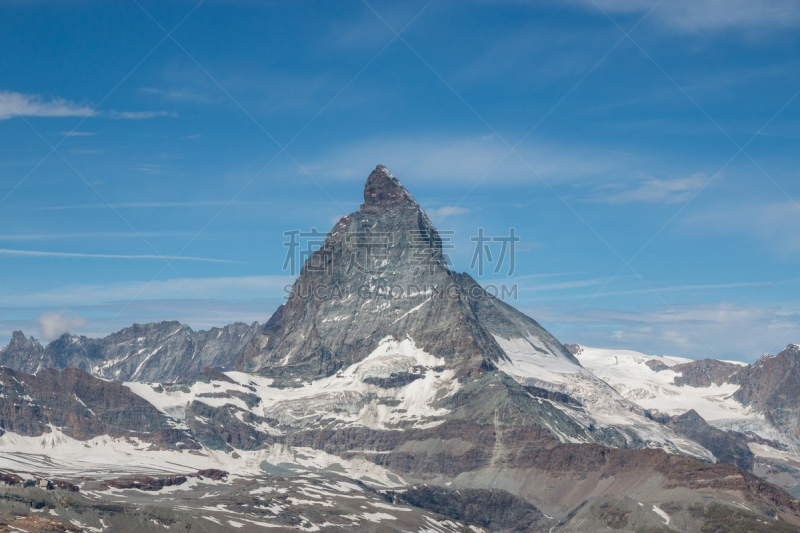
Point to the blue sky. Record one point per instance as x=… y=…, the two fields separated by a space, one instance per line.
x=646 y=154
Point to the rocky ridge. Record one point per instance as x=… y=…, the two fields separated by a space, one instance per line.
x=164 y=352
x=441 y=385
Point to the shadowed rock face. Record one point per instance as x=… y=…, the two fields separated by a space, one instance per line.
x=496 y=510
x=382 y=273
x=158 y=352
x=706 y=373
x=772 y=385
x=82 y=406
x=727 y=446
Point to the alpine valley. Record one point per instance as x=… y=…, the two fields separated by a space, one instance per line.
x=360 y=407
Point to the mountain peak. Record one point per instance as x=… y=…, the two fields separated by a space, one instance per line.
x=384 y=190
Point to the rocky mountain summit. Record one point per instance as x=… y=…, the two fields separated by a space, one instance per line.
x=164 y=352
x=387 y=369
x=382 y=273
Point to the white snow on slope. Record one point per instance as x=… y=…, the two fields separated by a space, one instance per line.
x=55 y=453
x=535 y=363
x=627 y=372
x=344 y=396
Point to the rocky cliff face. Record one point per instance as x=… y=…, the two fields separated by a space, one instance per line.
x=82 y=407
x=706 y=373
x=727 y=446
x=382 y=274
x=162 y=352
x=772 y=385
x=387 y=366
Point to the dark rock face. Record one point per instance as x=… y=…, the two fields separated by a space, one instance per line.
x=656 y=365
x=20 y=350
x=382 y=273
x=706 y=373
x=143 y=483
x=574 y=349
x=772 y=385
x=83 y=406
x=496 y=510
x=163 y=352
x=220 y=428
x=727 y=446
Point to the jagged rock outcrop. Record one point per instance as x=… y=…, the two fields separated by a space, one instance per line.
x=157 y=352
x=706 y=372
x=496 y=510
x=772 y=386
x=81 y=407
x=382 y=272
x=727 y=446
x=386 y=365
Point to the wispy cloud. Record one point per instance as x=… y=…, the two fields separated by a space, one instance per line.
x=140 y=115
x=93 y=235
x=32 y=253
x=13 y=104
x=771 y=225
x=653 y=190
x=438 y=214
x=78 y=133
x=123 y=205
x=30 y=105
x=219 y=289
x=722 y=329
x=703 y=15
x=465 y=159
x=53 y=325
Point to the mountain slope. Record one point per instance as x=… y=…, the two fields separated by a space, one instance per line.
x=746 y=414
x=393 y=370
x=382 y=273
x=166 y=351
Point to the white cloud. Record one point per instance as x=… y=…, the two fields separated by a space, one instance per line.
x=716 y=330
x=702 y=15
x=466 y=159
x=654 y=190
x=53 y=325
x=439 y=214
x=32 y=253
x=228 y=289
x=139 y=115
x=30 y=105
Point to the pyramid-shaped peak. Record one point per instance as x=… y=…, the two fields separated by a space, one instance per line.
x=384 y=190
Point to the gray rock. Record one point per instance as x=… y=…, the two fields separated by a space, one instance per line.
x=158 y=352
x=382 y=273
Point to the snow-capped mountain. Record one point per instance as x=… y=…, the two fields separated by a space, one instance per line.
x=752 y=407
x=166 y=351
x=393 y=371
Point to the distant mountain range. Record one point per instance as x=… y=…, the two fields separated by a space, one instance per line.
x=167 y=351
x=386 y=368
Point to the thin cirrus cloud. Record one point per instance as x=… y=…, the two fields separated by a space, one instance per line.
x=14 y=104
x=34 y=253
x=28 y=105
x=135 y=205
x=78 y=133
x=139 y=115
x=772 y=225
x=653 y=190
x=735 y=332
x=458 y=159
x=219 y=290
x=704 y=15
x=438 y=214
